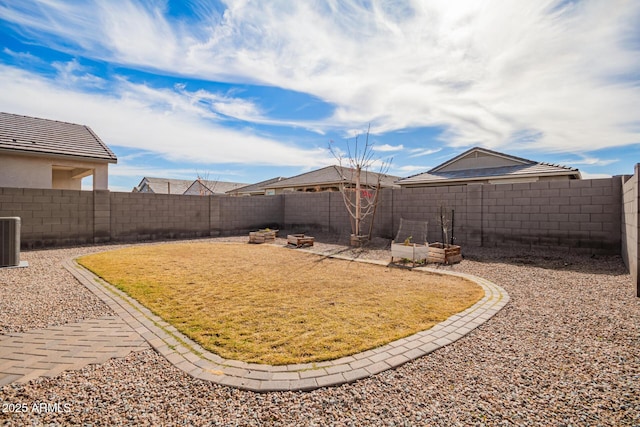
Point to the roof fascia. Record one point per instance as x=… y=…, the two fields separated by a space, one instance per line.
x=493 y=177
x=55 y=155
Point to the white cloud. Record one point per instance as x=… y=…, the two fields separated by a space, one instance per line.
x=123 y=170
x=22 y=57
x=407 y=170
x=127 y=167
x=590 y=161
x=73 y=74
x=144 y=118
x=387 y=147
x=419 y=152
x=587 y=175
x=499 y=74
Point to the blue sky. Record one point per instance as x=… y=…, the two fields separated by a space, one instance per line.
x=243 y=90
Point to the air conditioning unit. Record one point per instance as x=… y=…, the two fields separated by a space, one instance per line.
x=9 y=241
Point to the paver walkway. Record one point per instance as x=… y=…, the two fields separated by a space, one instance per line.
x=52 y=350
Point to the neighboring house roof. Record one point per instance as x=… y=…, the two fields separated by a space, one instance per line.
x=334 y=175
x=257 y=188
x=163 y=185
x=184 y=186
x=31 y=135
x=205 y=188
x=481 y=164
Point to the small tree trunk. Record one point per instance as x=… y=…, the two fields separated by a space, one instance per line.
x=442 y=225
x=358 y=201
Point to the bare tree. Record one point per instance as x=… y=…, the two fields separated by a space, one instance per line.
x=206 y=185
x=444 y=225
x=445 y=220
x=360 y=188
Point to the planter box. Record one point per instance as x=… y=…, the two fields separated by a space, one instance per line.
x=263 y=236
x=300 y=240
x=414 y=252
x=438 y=253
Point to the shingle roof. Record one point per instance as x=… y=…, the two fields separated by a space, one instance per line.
x=333 y=175
x=42 y=136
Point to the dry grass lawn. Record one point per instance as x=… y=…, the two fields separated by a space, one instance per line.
x=266 y=304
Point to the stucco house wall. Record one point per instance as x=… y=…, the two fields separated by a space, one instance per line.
x=55 y=173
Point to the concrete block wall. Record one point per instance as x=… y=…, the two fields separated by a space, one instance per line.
x=101 y=216
x=339 y=217
x=630 y=217
x=142 y=216
x=582 y=215
x=384 y=219
x=50 y=217
x=327 y=212
x=474 y=233
x=242 y=214
x=303 y=211
x=424 y=204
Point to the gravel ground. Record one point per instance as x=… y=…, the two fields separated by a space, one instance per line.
x=565 y=352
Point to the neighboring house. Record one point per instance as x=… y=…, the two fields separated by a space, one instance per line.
x=201 y=187
x=196 y=187
x=163 y=186
x=41 y=153
x=257 y=189
x=482 y=166
x=329 y=178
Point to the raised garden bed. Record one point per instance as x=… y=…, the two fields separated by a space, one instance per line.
x=444 y=255
x=263 y=236
x=414 y=252
x=299 y=240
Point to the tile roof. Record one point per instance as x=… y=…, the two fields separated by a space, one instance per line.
x=536 y=169
x=215 y=187
x=333 y=175
x=42 y=136
x=482 y=150
x=180 y=186
x=524 y=168
x=165 y=185
x=257 y=187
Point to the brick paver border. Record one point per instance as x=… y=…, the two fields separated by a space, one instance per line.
x=191 y=358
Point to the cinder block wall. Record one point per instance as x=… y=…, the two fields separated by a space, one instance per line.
x=142 y=216
x=311 y=211
x=630 y=224
x=327 y=212
x=243 y=214
x=581 y=215
x=384 y=220
x=50 y=217
x=424 y=204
